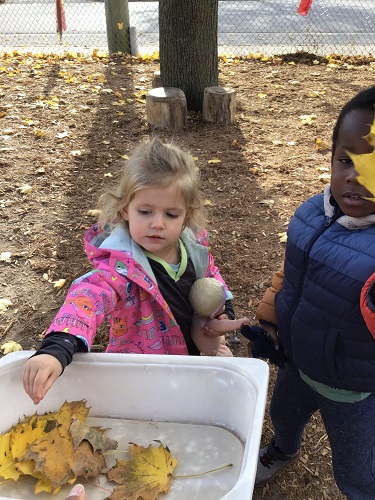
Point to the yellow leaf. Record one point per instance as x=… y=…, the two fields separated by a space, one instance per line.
x=282 y=237
x=59 y=283
x=4 y=304
x=40 y=133
x=147 y=474
x=307 y=119
x=28 y=121
x=262 y=96
x=93 y=213
x=126 y=157
x=321 y=145
x=207 y=202
x=370 y=137
x=10 y=346
x=25 y=189
x=7 y=463
x=108 y=174
x=365 y=166
x=214 y=161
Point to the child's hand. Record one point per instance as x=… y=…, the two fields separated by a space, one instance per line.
x=77 y=493
x=39 y=373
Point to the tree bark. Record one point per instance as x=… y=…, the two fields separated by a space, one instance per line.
x=188 y=47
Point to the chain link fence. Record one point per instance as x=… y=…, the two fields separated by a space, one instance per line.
x=245 y=26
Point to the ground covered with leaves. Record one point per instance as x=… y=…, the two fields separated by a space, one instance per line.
x=67 y=124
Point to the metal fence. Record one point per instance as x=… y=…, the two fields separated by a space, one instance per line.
x=245 y=26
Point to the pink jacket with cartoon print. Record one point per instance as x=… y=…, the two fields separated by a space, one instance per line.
x=122 y=289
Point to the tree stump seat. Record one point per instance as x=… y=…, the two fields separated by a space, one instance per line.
x=166 y=108
x=219 y=105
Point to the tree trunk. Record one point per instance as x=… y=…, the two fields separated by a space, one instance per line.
x=188 y=47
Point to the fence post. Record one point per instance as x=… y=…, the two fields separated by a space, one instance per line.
x=117 y=20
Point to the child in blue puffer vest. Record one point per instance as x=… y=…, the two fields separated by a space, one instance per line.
x=312 y=312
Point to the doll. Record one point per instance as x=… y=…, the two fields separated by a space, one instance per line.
x=207 y=297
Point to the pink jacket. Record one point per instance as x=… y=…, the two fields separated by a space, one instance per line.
x=122 y=289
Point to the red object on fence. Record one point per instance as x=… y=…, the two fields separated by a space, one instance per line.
x=60 y=17
x=304 y=7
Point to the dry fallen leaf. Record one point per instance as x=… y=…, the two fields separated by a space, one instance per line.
x=147 y=474
x=25 y=189
x=5 y=256
x=54 y=448
x=307 y=119
x=283 y=238
x=10 y=346
x=365 y=164
x=214 y=161
x=321 y=145
x=4 y=304
x=59 y=283
x=93 y=213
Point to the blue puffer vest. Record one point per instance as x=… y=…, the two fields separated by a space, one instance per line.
x=318 y=314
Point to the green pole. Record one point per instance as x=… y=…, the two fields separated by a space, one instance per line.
x=117 y=19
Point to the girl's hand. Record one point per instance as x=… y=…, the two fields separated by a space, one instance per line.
x=39 y=373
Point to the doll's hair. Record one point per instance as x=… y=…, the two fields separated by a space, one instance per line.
x=365 y=99
x=155 y=165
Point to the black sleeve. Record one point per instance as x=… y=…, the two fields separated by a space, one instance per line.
x=229 y=311
x=62 y=346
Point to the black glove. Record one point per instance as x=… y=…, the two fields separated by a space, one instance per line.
x=262 y=345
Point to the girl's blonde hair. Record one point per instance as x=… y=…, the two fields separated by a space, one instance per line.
x=154 y=164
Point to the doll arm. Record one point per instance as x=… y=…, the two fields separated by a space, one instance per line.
x=217 y=327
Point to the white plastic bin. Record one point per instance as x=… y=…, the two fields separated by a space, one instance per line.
x=207 y=410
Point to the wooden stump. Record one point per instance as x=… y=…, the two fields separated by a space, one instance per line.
x=166 y=107
x=219 y=105
x=156 y=81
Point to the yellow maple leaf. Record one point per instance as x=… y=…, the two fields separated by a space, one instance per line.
x=42 y=447
x=370 y=137
x=147 y=474
x=365 y=166
x=7 y=463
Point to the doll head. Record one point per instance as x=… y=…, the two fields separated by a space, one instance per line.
x=207 y=296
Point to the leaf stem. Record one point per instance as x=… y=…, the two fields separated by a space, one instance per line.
x=202 y=473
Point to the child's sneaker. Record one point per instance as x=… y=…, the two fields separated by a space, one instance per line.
x=271 y=462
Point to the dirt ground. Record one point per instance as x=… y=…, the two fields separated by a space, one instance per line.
x=66 y=125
